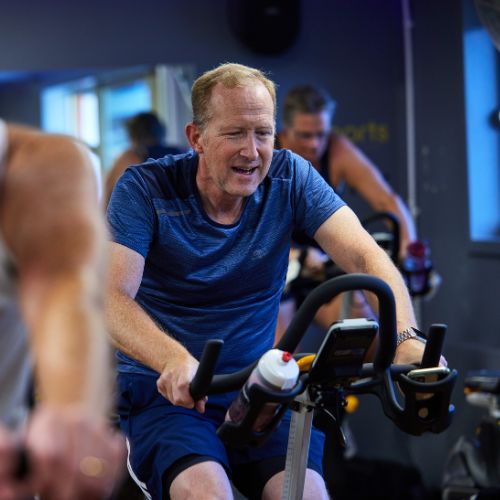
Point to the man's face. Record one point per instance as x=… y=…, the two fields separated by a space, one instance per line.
x=236 y=145
x=308 y=134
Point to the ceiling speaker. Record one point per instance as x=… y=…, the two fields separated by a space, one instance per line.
x=265 y=26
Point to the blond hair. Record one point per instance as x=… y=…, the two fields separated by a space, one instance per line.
x=229 y=75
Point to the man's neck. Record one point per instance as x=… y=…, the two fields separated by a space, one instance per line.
x=221 y=207
x=223 y=211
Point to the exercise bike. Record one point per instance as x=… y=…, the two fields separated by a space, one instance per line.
x=421 y=283
x=472 y=470
x=416 y=399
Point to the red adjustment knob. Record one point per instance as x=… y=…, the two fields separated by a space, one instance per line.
x=286 y=357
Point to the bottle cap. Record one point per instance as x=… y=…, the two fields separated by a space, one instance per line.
x=279 y=368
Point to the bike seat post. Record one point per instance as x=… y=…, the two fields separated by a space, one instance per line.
x=299 y=437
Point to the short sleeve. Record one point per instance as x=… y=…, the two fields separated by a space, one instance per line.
x=131 y=214
x=315 y=200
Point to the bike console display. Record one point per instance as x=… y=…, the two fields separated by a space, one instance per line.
x=341 y=355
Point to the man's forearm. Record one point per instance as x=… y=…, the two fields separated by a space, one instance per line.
x=68 y=339
x=382 y=267
x=134 y=333
x=364 y=256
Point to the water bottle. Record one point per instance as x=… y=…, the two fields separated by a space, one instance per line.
x=277 y=371
x=417 y=265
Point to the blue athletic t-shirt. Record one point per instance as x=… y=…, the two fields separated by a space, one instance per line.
x=204 y=280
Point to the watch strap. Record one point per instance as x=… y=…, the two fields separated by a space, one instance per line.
x=409 y=333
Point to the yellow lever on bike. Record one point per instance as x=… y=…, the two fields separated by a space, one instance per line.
x=306 y=362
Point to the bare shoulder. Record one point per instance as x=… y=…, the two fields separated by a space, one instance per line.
x=127 y=158
x=348 y=155
x=341 y=146
x=49 y=190
x=35 y=155
x=341 y=154
x=129 y=155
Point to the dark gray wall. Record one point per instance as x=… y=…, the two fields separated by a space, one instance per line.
x=471 y=272
x=354 y=49
x=467 y=300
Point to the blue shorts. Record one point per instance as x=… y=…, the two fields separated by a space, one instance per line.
x=162 y=436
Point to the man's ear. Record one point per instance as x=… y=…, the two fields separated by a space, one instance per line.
x=193 y=135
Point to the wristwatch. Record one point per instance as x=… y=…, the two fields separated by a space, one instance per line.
x=409 y=333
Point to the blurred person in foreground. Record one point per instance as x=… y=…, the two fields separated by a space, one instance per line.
x=52 y=265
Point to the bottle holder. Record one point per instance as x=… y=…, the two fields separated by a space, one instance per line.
x=426 y=406
x=242 y=434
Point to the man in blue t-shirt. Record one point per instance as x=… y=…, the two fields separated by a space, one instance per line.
x=200 y=251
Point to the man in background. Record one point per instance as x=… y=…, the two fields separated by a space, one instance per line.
x=307 y=117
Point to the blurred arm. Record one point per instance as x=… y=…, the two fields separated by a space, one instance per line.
x=361 y=174
x=53 y=227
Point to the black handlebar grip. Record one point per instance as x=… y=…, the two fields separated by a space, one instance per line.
x=203 y=377
x=434 y=346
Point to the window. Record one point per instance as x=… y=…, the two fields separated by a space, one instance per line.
x=120 y=102
x=95 y=108
x=70 y=109
x=483 y=132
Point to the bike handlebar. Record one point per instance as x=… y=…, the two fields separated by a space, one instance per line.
x=329 y=289
x=200 y=385
x=434 y=346
x=407 y=417
x=204 y=383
